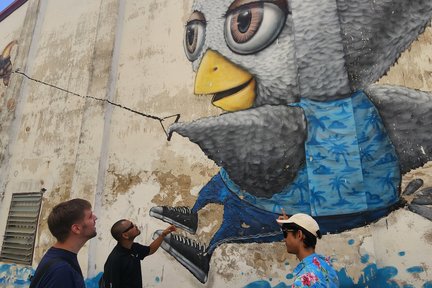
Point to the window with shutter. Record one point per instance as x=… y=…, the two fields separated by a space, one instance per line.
x=21 y=227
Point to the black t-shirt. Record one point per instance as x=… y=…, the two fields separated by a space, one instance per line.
x=123 y=266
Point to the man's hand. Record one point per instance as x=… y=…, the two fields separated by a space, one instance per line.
x=168 y=230
x=158 y=241
x=283 y=216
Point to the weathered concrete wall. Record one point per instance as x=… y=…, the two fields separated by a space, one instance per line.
x=130 y=52
x=8 y=102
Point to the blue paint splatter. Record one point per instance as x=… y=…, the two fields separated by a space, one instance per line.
x=282 y=285
x=290 y=276
x=376 y=277
x=408 y=286
x=265 y=284
x=401 y=253
x=351 y=241
x=18 y=276
x=364 y=259
x=344 y=279
x=258 y=284
x=93 y=282
x=157 y=279
x=4 y=268
x=428 y=284
x=415 y=269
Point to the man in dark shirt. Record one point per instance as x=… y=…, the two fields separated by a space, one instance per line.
x=72 y=223
x=123 y=266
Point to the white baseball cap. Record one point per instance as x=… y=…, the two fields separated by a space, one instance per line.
x=305 y=221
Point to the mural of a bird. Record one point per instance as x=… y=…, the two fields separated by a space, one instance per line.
x=5 y=63
x=305 y=128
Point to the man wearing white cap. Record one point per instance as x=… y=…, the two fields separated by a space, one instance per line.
x=300 y=235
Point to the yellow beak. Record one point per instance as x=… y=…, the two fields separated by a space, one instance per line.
x=233 y=87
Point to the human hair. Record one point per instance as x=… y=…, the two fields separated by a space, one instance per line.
x=64 y=215
x=309 y=241
x=117 y=229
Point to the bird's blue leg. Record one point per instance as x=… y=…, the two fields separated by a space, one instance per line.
x=215 y=191
x=244 y=223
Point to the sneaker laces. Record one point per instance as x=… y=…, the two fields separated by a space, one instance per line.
x=191 y=243
x=181 y=209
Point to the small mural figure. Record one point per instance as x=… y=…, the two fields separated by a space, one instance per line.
x=304 y=129
x=5 y=63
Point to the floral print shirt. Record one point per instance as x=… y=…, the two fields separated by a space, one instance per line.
x=315 y=271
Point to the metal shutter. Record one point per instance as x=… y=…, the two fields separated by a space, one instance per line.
x=21 y=227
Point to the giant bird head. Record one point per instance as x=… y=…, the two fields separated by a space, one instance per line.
x=255 y=57
x=223 y=39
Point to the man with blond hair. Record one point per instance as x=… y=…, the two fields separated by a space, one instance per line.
x=72 y=223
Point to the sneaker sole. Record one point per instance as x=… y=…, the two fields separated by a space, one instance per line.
x=195 y=270
x=171 y=221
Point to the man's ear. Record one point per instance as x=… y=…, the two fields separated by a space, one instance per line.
x=125 y=236
x=76 y=228
x=300 y=234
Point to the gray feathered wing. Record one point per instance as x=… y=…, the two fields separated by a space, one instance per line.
x=375 y=33
x=261 y=148
x=407 y=115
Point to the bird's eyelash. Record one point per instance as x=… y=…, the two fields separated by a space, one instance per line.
x=288 y=11
x=202 y=21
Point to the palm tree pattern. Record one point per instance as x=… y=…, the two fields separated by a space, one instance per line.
x=351 y=164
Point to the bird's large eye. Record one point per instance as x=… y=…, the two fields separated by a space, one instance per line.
x=194 y=36
x=252 y=27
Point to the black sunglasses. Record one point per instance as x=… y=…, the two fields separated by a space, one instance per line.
x=285 y=232
x=132 y=225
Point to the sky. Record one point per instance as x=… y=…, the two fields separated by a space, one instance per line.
x=5 y=3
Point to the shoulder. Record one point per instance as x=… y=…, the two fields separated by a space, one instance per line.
x=116 y=251
x=61 y=274
x=322 y=263
x=307 y=279
x=140 y=249
x=319 y=270
x=114 y=257
x=117 y=258
x=139 y=246
x=53 y=260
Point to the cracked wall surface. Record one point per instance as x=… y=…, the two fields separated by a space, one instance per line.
x=131 y=53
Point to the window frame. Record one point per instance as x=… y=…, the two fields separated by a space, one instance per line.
x=11 y=8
